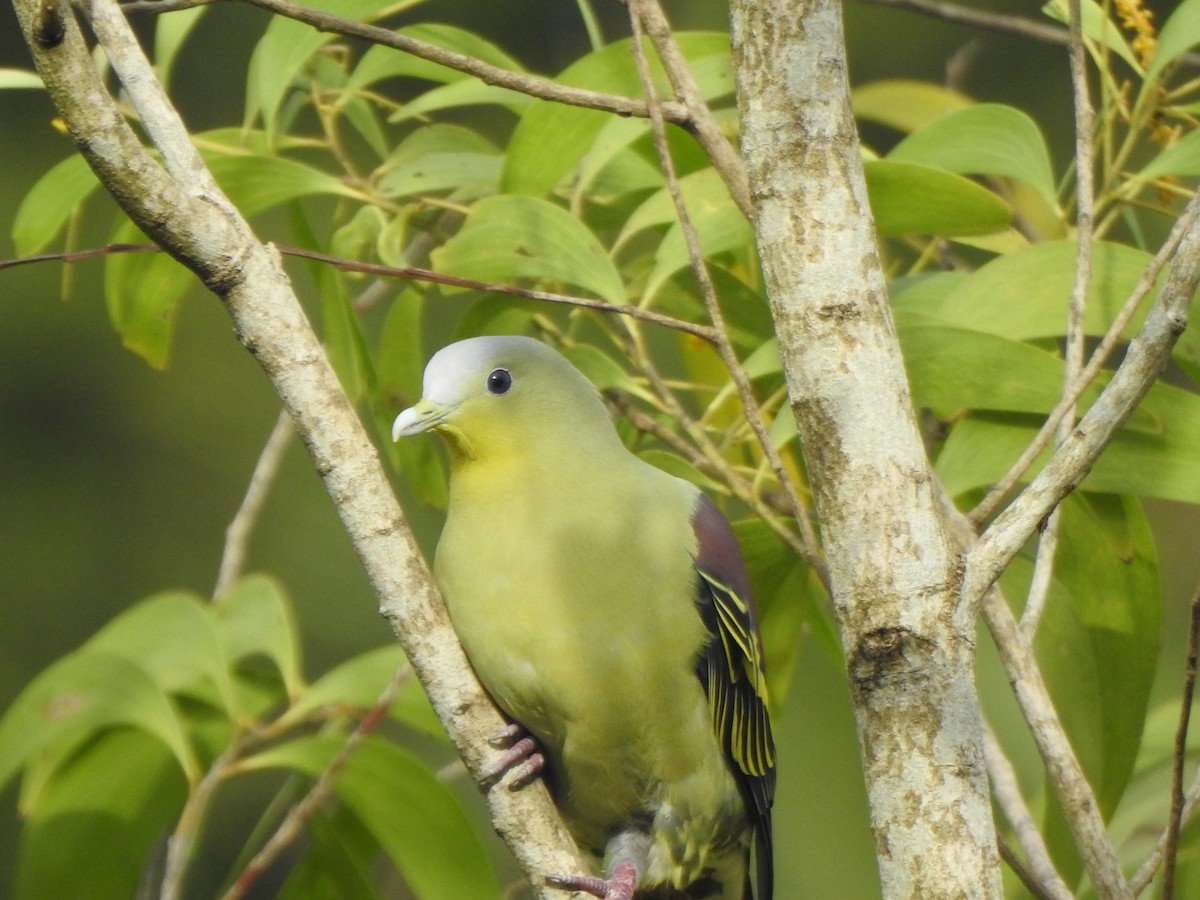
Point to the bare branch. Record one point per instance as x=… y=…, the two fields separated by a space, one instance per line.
x=237 y=535
x=978 y=18
x=1099 y=356
x=1040 y=871
x=531 y=85
x=811 y=554
x=909 y=642
x=300 y=814
x=704 y=127
x=1147 y=355
x=1175 y=821
x=1085 y=190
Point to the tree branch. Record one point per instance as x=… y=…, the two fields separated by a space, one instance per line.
x=811 y=553
x=1148 y=353
x=1178 y=800
x=185 y=214
x=521 y=82
x=909 y=642
x=237 y=535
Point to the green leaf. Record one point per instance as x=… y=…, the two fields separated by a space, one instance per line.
x=912 y=199
x=461 y=174
x=534 y=165
x=50 y=202
x=19 y=79
x=460 y=94
x=143 y=292
x=1097 y=641
x=1179 y=33
x=1149 y=463
x=281 y=55
x=357 y=684
x=906 y=105
x=257 y=183
x=1181 y=158
x=337 y=861
x=952 y=368
x=984 y=139
x=255 y=618
x=415 y=818
x=121 y=793
x=78 y=696
x=509 y=238
x=380 y=63
x=1096 y=25
x=1024 y=295
x=170 y=33
x=719 y=224
x=171 y=636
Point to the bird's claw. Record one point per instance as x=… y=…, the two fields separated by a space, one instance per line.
x=620 y=886
x=522 y=757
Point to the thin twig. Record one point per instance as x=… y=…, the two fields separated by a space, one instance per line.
x=1085 y=124
x=1147 y=354
x=1038 y=874
x=1149 y=868
x=1175 y=822
x=299 y=815
x=978 y=18
x=1014 y=862
x=521 y=82
x=75 y=256
x=704 y=332
x=1185 y=224
x=724 y=348
x=237 y=535
x=703 y=125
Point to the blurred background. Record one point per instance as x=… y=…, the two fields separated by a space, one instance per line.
x=117 y=481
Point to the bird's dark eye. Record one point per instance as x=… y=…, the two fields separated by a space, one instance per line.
x=499 y=381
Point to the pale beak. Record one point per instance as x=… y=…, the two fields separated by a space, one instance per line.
x=423 y=416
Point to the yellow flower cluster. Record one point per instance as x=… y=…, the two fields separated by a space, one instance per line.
x=1139 y=20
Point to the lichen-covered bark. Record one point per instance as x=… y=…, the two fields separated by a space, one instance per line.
x=894 y=573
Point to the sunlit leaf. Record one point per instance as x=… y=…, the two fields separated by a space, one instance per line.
x=1179 y=33
x=142 y=292
x=984 y=139
x=170 y=34
x=1024 y=295
x=356 y=685
x=170 y=635
x=534 y=165
x=1181 y=158
x=44 y=211
x=952 y=368
x=122 y=792
x=415 y=818
x=258 y=183
x=1096 y=25
x=1160 y=462
x=907 y=198
x=282 y=53
x=255 y=618
x=20 y=79
x=78 y=696
x=904 y=104
x=509 y=238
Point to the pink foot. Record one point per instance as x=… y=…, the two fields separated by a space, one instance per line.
x=522 y=757
x=620 y=886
